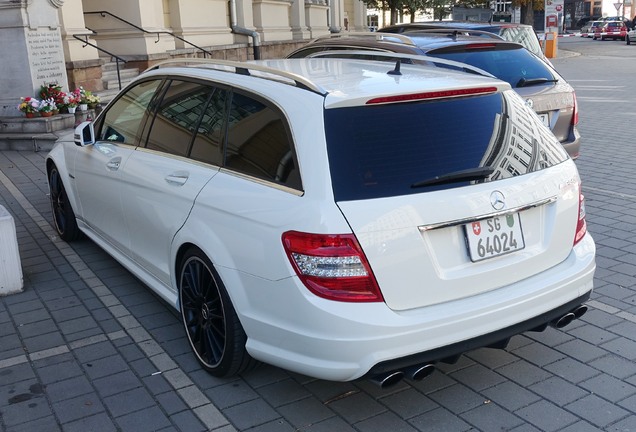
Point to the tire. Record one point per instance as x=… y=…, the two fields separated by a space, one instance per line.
x=213 y=328
x=63 y=214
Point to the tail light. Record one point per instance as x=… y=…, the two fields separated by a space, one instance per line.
x=581 y=225
x=575 y=111
x=332 y=266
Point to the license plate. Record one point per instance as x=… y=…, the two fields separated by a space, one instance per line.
x=544 y=118
x=495 y=236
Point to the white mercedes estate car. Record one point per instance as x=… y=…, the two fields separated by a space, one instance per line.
x=341 y=219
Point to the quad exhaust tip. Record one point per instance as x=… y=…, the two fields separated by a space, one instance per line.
x=419 y=372
x=388 y=379
x=566 y=319
x=415 y=373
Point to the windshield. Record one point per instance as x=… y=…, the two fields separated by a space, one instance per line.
x=396 y=149
x=517 y=66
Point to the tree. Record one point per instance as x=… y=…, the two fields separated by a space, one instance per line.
x=441 y=8
x=393 y=6
x=411 y=7
x=527 y=9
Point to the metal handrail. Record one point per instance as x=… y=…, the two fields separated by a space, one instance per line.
x=104 y=13
x=116 y=57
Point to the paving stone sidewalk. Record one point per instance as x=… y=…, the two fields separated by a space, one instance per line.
x=86 y=347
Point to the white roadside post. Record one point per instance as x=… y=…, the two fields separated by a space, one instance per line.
x=10 y=268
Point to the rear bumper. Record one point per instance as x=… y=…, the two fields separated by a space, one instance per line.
x=573 y=144
x=345 y=341
x=490 y=339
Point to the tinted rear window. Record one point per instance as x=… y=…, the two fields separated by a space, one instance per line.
x=510 y=65
x=380 y=151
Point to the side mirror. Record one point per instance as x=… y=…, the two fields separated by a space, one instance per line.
x=84 y=134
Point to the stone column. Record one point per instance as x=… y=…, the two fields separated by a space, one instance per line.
x=336 y=16
x=83 y=64
x=316 y=17
x=298 y=21
x=202 y=22
x=31 y=52
x=359 y=15
x=272 y=19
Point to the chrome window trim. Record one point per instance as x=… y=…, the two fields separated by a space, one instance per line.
x=262 y=182
x=463 y=221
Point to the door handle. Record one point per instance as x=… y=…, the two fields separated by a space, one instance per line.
x=114 y=164
x=177 y=179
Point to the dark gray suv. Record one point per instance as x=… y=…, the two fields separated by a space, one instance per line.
x=543 y=89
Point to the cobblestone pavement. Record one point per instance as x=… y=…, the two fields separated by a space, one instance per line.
x=86 y=347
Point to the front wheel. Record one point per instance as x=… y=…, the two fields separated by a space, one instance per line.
x=211 y=323
x=63 y=215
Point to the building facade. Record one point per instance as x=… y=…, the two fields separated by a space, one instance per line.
x=143 y=32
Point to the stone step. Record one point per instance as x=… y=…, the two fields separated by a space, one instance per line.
x=109 y=76
x=40 y=133
x=106 y=96
x=28 y=142
x=124 y=73
x=114 y=84
x=37 y=125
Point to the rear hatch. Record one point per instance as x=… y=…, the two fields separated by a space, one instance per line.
x=551 y=97
x=507 y=211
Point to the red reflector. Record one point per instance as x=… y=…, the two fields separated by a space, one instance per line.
x=433 y=95
x=581 y=225
x=575 y=113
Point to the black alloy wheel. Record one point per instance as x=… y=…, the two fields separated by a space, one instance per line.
x=211 y=323
x=63 y=215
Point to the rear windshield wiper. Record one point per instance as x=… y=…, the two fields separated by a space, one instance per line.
x=526 y=82
x=478 y=173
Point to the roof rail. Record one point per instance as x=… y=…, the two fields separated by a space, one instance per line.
x=394 y=55
x=379 y=36
x=244 y=68
x=452 y=31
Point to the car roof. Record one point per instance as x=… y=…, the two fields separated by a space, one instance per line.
x=342 y=82
x=476 y=25
x=416 y=42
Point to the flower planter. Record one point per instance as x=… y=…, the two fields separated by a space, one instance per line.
x=29 y=115
x=71 y=110
x=46 y=113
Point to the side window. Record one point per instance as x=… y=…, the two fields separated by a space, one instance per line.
x=178 y=116
x=124 y=119
x=208 y=142
x=258 y=143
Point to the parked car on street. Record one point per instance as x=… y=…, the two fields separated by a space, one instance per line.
x=630 y=36
x=338 y=218
x=520 y=33
x=588 y=29
x=610 y=30
x=547 y=92
x=583 y=22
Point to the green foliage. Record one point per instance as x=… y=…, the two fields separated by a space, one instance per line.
x=440 y=8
